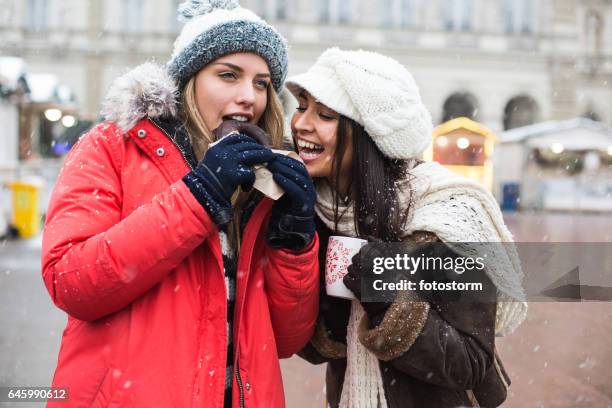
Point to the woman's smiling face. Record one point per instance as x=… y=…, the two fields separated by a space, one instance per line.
x=314 y=127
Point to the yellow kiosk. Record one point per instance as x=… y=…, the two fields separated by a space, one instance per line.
x=464 y=147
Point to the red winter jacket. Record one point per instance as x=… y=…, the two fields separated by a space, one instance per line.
x=136 y=263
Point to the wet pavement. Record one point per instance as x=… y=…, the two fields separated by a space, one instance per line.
x=560 y=357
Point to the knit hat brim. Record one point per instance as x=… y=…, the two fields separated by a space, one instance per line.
x=242 y=31
x=375 y=91
x=322 y=84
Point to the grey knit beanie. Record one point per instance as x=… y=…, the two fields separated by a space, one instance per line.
x=215 y=28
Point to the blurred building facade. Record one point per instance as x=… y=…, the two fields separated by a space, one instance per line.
x=504 y=63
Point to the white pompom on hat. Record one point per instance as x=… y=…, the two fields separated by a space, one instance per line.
x=375 y=91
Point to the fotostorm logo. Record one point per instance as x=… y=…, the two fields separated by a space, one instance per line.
x=422 y=285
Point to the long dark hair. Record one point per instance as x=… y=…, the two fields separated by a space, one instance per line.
x=372 y=184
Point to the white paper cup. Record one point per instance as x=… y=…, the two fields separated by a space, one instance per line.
x=340 y=251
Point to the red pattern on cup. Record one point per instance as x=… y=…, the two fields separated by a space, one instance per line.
x=337 y=261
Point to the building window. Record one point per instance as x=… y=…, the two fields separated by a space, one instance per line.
x=133 y=15
x=520 y=111
x=273 y=9
x=460 y=104
x=593 y=27
x=458 y=14
x=175 y=24
x=399 y=13
x=7 y=11
x=324 y=11
x=518 y=16
x=281 y=9
x=335 y=11
x=36 y=15
x=260 y=7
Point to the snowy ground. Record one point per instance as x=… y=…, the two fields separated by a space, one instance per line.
x=558 y=358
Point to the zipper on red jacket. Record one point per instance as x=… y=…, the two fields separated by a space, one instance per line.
x=239 y=306
x=239 y=381
x=183 y=154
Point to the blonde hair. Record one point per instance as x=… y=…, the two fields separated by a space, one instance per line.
x=272 y=121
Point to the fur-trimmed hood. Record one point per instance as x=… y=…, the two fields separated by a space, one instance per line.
x=145 y=91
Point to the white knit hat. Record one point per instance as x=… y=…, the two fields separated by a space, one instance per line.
x=375 y=91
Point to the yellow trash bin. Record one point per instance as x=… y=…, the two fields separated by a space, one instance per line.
x=26 y=211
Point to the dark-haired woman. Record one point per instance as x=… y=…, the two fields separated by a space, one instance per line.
x=359 y=127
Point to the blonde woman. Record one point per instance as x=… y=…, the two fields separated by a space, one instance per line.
x=182 y=285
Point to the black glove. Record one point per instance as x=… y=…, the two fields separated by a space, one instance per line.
x=336 y=313
x=292 y=221
x=361 y=268
x=225 y=166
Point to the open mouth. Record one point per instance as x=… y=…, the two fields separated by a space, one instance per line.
x=239 y=118
x=309 y=151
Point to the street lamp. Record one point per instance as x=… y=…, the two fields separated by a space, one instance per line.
x=68 y=121
x=557 y=148
x=53 y=115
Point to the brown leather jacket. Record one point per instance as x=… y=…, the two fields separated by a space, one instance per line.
x=431 y=354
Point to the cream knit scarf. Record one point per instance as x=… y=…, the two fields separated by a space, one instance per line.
x=458 y=211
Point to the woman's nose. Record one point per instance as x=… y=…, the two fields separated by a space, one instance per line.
x=245 y=94
x=302 y=121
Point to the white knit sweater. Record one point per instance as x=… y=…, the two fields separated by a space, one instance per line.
x=459 y=211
